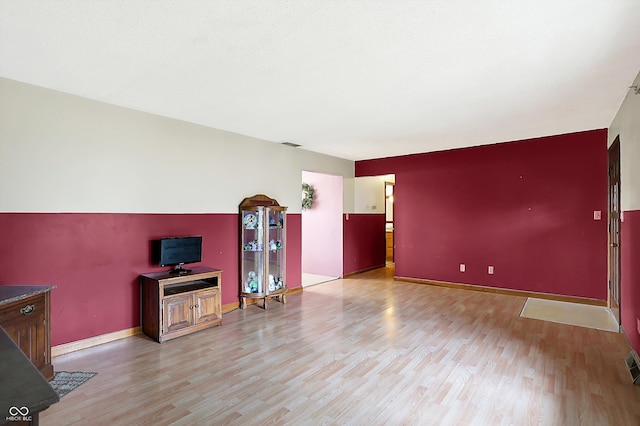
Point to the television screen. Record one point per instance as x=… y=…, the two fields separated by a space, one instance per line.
x=177 y=251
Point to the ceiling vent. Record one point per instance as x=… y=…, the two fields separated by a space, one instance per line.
x=291 y=144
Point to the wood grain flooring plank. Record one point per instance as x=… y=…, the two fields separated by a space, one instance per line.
x=365 y=350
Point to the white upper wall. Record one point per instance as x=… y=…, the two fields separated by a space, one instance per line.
x=626 y=124
x=361 y=194
x=64 y=153
x=369 y=194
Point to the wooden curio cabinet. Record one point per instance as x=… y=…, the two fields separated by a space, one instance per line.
x=262 y=250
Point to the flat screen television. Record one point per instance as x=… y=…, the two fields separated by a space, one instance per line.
x=177 y=251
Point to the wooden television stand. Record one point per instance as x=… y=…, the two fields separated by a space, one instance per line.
x=177 y=304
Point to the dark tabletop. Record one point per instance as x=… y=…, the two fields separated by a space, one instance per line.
x=21 y=384
x=11 y=293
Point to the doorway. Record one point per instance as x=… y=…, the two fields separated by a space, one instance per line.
x=614 y=229
x=322 y=234
x=389 y=192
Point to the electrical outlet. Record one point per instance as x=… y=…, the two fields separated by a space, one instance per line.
x=490 y=270
x=463 y=267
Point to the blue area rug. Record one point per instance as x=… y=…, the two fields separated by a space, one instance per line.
x=64 y=382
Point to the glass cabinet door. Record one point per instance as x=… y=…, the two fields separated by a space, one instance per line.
x=252 y=268
x=276 y=252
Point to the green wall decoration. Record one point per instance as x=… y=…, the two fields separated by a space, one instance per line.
x=308 y=195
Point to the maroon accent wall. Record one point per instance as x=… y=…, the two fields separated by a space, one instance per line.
x=524 y=207
x=95 y=260
x=630 y=275
x=364 y=242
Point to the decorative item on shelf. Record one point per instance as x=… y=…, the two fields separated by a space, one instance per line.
x=275 y=284
x=308 y=196
x=250 y=221
x=251 y=284
x=272 y=283
x=254 y=245
x=275 y=245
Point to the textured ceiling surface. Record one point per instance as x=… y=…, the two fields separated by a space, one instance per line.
x=353 y=79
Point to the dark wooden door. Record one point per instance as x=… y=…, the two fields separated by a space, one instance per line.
x=614 y=228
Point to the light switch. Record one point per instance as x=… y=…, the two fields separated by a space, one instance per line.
x=597 y=215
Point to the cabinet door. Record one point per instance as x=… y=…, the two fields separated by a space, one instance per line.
x=275 y=275
x=24 y=322
x=207 y=306
x=252 y=240
x=178 y=312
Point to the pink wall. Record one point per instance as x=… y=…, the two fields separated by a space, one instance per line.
x=322 y=226
x=525 y=208
x=364 y=242
x=95 y=259
x=630 y=275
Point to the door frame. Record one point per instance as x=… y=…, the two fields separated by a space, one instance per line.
x=333 y=244
x=390 y=199
x=614 y=276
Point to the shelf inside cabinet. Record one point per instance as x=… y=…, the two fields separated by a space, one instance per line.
x=190 y=286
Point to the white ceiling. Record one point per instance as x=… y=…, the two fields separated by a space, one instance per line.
x=353 y=79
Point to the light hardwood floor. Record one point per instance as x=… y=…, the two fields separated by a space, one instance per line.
x=365 y=350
